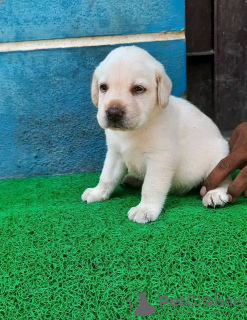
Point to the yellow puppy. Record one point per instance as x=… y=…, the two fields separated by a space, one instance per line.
x=166 y=143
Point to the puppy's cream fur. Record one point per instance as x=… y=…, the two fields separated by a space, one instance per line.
x=164 y=141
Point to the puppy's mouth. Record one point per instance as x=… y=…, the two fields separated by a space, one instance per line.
x=117 y=118
x=117 y=126
x=123 y=124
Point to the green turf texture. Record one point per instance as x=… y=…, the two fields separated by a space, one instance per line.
x=61 y=258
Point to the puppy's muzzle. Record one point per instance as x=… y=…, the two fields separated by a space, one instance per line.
x=114 y=114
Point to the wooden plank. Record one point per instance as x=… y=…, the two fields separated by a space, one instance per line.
x=200 y=83
x=199 y=26
x=48 y=122
x=36 y=20
x=200 y=60
x=230 y=63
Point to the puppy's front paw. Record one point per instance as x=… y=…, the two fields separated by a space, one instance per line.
x=93 y=195
x=141 y=214
x=215 y=198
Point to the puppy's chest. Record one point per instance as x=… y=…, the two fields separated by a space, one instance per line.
x=135 y=161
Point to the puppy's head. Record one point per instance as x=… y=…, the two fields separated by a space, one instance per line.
x=128 y=86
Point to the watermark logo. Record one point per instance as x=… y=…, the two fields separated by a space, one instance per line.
x=143 y=309
x=198 y=301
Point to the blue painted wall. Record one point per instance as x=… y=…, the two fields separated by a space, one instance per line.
x=48 y=122
x=46 y=19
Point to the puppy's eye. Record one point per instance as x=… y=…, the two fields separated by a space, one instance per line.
x=103 y=87
x=138 y=89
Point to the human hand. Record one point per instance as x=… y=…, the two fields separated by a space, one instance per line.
x=237 y=159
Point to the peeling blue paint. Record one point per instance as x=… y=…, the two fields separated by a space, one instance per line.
x=48 y=123
x=34 y=20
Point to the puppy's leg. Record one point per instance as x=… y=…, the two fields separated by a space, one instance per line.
x=112 y=174
x=156 y=185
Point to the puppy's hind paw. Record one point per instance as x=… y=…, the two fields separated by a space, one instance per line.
x=215 y=198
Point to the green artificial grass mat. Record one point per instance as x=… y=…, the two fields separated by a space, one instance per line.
x=61 y=258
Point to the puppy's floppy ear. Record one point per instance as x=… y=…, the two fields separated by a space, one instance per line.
x=164 y=86
x=95 y=89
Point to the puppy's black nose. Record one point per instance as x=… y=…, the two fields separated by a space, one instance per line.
x=114 y=114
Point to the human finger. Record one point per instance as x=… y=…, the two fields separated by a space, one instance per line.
x=239 y=185
x=224 y=168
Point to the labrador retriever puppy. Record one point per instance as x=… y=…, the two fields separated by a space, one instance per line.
x=164 y=143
